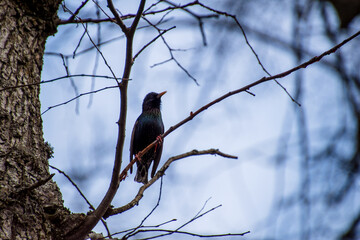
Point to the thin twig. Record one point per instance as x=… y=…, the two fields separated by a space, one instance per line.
x=172 y=57
x=81 y=38
x=157 y=203
x=198 y=17
x=101 y=54
x=192 y=234
x=131 y=233
x=97 y=48
x=129 y=16
x=77 y=10
x=74 y=184
x=118 y=19
x=76 y=97
x=248 y=43
x=81 y=194
x=153 y=40
x=96 y=63
x=203 y=207
x=169 y=232
x=197 y=216
x=55 y=79
x=160 y=63
x=72 y=82
x=150 y=226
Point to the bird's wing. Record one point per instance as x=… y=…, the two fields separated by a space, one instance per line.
x=132 y=142
x=158 y=152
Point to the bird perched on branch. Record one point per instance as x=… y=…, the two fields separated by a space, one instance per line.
x=148 y=127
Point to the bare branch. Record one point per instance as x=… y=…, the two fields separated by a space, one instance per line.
x=153 y=226
x=246 y=89
x=149 y=43
x=157 y=203
x=248 y=43
x=129 y=16
x=198 y=17
x=79 y=232
x=105 y=61
x=81 y=38
x=55 y=79
x=81 y=194
x=117 y=17
x=172 y=57
x=168 y=232
x=159 y=174
x=95 y=45
x=96 y=63
x=77 y=97
x=74 y=184
x=157 y=64
x=72 y=82
x=86 y=20
x=197 y=216
x=103 y=11
x=131 y=233
x=78 y=10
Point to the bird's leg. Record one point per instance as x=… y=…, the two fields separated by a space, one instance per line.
x=138 y=158
x=123 y=176
x=160 y=140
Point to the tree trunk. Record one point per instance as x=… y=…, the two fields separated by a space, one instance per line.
x=31 y=205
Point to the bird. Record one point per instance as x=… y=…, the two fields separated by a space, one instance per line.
x=147 y=128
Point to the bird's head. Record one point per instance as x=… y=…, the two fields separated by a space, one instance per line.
x=152 y=101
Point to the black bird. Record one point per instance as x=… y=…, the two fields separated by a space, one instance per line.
x=147 y=128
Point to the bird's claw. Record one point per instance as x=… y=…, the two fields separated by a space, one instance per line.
x=122 y=178
x=137 y=157
x=159 y=138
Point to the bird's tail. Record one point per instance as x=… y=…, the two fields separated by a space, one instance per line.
x=141 y=174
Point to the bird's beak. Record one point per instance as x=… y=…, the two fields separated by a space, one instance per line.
x=161 y=94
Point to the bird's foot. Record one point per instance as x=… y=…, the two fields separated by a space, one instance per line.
x=159 y=138
x=123 y=176
x=138 y=157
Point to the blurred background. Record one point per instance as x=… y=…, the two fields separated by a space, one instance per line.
x=297 y=175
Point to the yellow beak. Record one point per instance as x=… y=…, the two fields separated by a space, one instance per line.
x=161 y=94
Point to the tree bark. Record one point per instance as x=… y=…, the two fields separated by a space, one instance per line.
x=31 y=205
